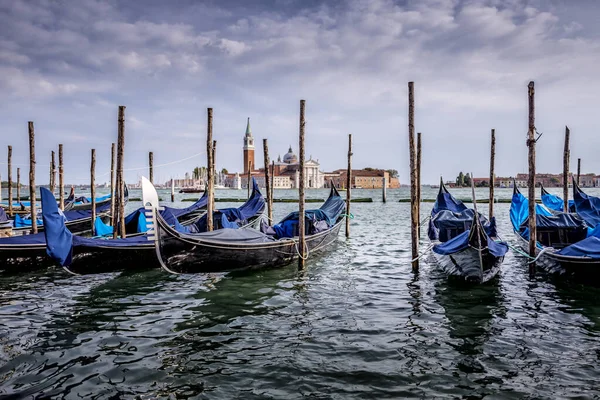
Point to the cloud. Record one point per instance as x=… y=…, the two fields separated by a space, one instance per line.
x=471 y=61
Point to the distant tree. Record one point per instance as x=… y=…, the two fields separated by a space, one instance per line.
x=224 y=171
x=467 y=180
x=368 y=169
x=196 y=173
x=482 y=184
x=460 y=180
x=393 y=173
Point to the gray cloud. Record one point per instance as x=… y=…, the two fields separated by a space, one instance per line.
x=68 y=65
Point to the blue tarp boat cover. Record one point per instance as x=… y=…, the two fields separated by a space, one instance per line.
x=588 y=207
x=37 y=238
x=519 y=210
x=553 y=202
x=22 y=222
x=317 y=220
x=3 y=216
x=461 y=242
x=589 y=247
x=58 y=238
x=227 y=217
x=178 y=212
x=445 y=201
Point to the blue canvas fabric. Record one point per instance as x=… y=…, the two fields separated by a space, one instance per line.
x=589 y=247
x=3 y=216
x=101 y=229
x=553 y=202
x=446 y=224
x=22 y=222
x=253 y=206
x=37 y=238
x=80 y=241
x=329 y=213
x=461 y=242
x=588 y=207
x=201 y=203
x=519 y=210
x=59 y=240
x=445 y=201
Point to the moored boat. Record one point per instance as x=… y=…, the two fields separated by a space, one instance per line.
x=463 y=240
x=180 y=251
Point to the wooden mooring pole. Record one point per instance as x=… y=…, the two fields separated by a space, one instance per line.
x=112 y=182
x=492 y=176
x=173 y=190
x=531 y=180
x=566 y=162
x=120 y=177
x=272 y=194
x=419 y=186
x=301 y=228
x=214 y=168
x=93 y=190
x=268 y=181
x=414 y=216
x=383 y=189
x=578 y=170
x=151 y=166
x=10 y=199
x=52 y=172
x=32 y=200
x=210 y=179
x=348 y=185
x=18 y=185
x=61 y=177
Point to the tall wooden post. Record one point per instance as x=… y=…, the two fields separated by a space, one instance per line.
x=214 y=168
x=348 y=185
x=32 y=198
x=18 y=185
x=10 y=199
x=492 y=176
x=61 y=182
x=272 y=194
x=301 y=228
x=112 y=182
x=93 y=189
x=120 y=177
x=578 y=170
x=52 y=172
x=566 y=162
x=210 y=179
x=151 y=166
x=419 y=186
x=268 y=181
x=414 y=216
x=383 y=188
x=531 y=183
x=173 y=190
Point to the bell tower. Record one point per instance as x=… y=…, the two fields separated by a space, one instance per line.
x=248 y=149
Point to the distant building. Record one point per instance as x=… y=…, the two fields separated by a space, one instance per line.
x=362 y=178
x=547 y=180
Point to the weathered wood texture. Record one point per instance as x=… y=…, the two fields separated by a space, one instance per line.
x=566 y=162
x=531 y=182
x=93 y=189
x=301 y=222
x=210 y=179
x=492 y=175
x=32 y=198
x=348 y=185
x=414 y=216
x=268 y=181
x=61 y=178
x=10 y=198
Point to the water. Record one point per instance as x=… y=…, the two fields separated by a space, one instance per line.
x=357 y=324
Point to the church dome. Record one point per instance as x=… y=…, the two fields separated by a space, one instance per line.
x=290 y=157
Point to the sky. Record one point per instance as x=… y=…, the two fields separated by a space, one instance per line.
x=68 y=65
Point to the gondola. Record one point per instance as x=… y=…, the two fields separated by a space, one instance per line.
x=86 y=255
x=463 y=240
x=565 y=242
x=179 y=251
x=30 y=250
x=586 y=206
x=554 y=202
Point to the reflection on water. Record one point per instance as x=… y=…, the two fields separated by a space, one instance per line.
x=357 y=324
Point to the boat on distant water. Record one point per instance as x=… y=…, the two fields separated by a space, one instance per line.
x=463 y=240
x=566 y=242
x=180 y=251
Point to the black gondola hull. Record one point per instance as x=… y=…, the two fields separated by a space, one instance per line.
x=465 y=265
x=186 y=255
